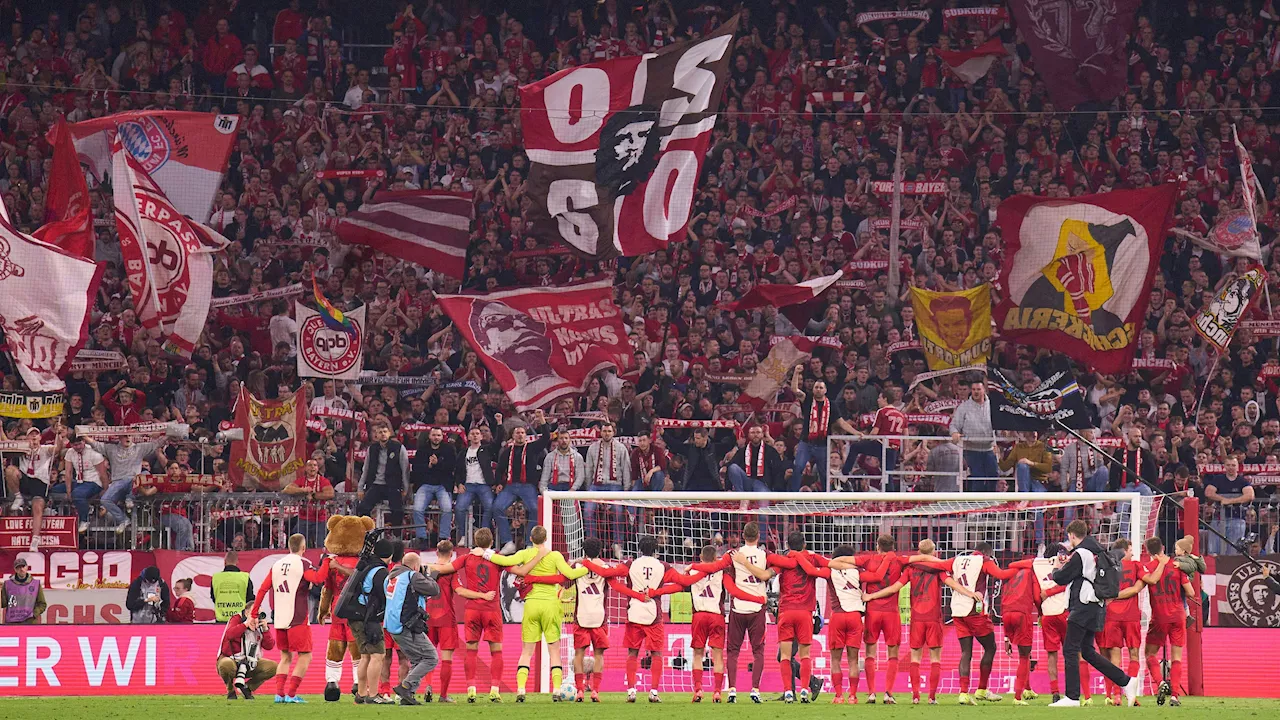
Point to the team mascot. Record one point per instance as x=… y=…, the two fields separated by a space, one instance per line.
x=343 y=545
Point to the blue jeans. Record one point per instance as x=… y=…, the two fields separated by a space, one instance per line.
x=444 y=500
x=739 y=481
x=313 y=531
x=1233 y=528
x=611 y=512
x=470 y=493
x=117 y=492
x=180 y=529
x=1026 y=483
x=983 y=470
x=806 y=452
x=1096 y=482
x=656 y=483
x=81 y=494
x=525 y=493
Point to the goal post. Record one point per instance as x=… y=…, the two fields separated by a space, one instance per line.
x=1016 y=525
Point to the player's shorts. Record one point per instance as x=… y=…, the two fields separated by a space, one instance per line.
x=1175 y=631
x=444 y=637
x=1120 y=634
x=745 y=626
x=339 y=631
x=795 y=625
x=882 y=623
x=844 y=630
x=974 y=626
x=296 y=639
x=1018 y=628
x=484 y=624
x=597 y=637
x=542 y=619
x=361 y=630
x=645 y=637
x=926 y=634
x=708 y=630
x=1053 y=629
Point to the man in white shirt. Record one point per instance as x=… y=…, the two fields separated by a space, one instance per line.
x=30 y=478
x=328 y=399
x=360 y=93
x=85 y=476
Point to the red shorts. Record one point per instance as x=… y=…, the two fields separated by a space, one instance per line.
x=974 y=626
x=926 y=634
x=1175 y=631
x=645 y=637
x=296 y=639
x=844 y=630
x=882 y=622
x=444 y=637
x=708 y=630
x=1121 y=634
x=483 y=625
x=340 y=631
x=1053 y=628
x=591 y=637
x=795 y=625
x=1018 y=628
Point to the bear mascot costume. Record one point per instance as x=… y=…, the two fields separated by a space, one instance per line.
x=342 y=545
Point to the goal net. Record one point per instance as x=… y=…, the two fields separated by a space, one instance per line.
x=1016 y=525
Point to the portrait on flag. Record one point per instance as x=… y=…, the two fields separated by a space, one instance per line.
x=544 y=343
x=954 y=327
x=1077 y=273
x=327 y=352
x=1218 y=320
x=273 y=447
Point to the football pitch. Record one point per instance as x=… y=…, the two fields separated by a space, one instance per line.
x=612 y=707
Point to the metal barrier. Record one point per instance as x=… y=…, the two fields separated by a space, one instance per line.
x=925 y=463
x=1254 y=526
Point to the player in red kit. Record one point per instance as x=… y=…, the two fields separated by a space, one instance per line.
x=480 y=583
x=1123 y=627
x=1053 y=617
x=442 y=625
x=1169 y=587
x=883 y=619
x=289 y=583
x=1019 y=597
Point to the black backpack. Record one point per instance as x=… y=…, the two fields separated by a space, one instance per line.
x=1106 y=582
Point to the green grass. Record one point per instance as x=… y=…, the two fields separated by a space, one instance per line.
x=613 y=708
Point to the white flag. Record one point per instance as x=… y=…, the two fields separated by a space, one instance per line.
x=327 y=352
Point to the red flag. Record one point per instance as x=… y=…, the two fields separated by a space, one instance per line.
x=544 y=343
x=70 y=225
x=274 y=447
x=799 y=300
x=1077 y=273
x=971 y=65
x=427 y=227
x=1079 y=48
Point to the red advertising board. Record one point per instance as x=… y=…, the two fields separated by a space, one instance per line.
x=56 y=533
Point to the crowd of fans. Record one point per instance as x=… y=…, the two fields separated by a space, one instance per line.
x=439 y=109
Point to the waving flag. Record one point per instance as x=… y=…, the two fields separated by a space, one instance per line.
x=798 y=302
x=776 y=368
x=71 y=224
x=972 y=65
x=1058 y=398
x=1078 y=47
x=1218 y=320
x=617 y=146
x=431 y=228
x=954 y=327
x=1077 y=273
x=332 y=316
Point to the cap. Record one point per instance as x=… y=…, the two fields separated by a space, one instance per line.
x=20 y=562
x=33 y=429
x=383 y=548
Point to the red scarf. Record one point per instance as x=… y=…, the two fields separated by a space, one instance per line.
x=613 y=464
x=1080 y=468
x=759 y=463
x=819 y=416
x=511 y=463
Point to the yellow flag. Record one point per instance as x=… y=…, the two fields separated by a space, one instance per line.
x=954 y=327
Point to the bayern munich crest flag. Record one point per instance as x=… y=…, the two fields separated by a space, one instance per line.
x=544 y=343
x=617 y=146
x=328 y=352
x=1077 y=272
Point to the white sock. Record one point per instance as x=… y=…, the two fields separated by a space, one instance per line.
x=332 y=671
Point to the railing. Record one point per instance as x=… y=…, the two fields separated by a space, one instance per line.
x=910 y=465
x=1254 y=526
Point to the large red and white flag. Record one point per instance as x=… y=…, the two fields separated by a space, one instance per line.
x=429 y=227
x=46 y=295
x=774 y=371
x=70 y=225
x=780 y=296
x=184 y=152
x=1079 y=48
x=972 y=65
x=167 y=257
x=617 y=146
x=544 y=343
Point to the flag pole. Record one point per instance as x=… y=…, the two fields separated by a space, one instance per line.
x=895 y=221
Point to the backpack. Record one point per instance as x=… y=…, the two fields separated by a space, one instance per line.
x=1106 y=581
x=353 y=602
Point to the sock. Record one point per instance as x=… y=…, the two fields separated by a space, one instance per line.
x=446 y=673
x=1134 y=669
x=655 y=672
x=1153 y=669
x=580 y=681
x=1109 y=686
x=557 y=677
x=1023 y=678
x=984 y=674
x=384 y=687
x=854 y=675
x=869 y=669
x=280 y=683
x=633 y=666
x=332 y=671
x=697 y=678
x=1085 y=692
x=717 y=677
x=935 y=678
x=522 y=679
x=1175 y=677
x=914 y=680
x=596 y=679
x=1053 y=687
x=469 y=662
x=891 y=676
x=964 y=684
x=788 y=678
x=837 y=681
x=731 y=665
x=291 y=689
x=495 y=671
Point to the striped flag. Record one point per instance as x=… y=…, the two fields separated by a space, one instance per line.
x=429 y=227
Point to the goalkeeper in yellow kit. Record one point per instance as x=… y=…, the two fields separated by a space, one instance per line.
x=542 y=612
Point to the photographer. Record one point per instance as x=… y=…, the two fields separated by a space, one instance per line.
x=148 y=598
x=239 y=658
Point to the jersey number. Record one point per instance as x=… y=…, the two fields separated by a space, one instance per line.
x=482 y=574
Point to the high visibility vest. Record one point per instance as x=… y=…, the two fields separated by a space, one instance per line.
x=229 y=590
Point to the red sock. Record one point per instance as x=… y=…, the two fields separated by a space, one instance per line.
x=1110 y=687
x=596 y=679
x=1023 y=678
x=935 y=678
x=384 y=687
x=964 y=683
x=788 y=677
x=891 y=676
x=1175 y=677
x=806 y=671
x=633 y=666
x=1085 y=692
x=291 y=689
x=469 y=662
x=853 y=676
x=984 y=675
x=580 y=681
x=697 y=679
x=655 y=672
x=1153 y=668
x=280 y=683
x=869 y=667
x=495 y=668
x=1133 y=670
x=914 y=681
x=837 y=681
x=718 y=679
x=446 y=674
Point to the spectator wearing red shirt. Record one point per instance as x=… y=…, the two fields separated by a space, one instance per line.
x=259 y=75
x=221 y=53
x=290 y=59
x=313 y=490
x=183 y=609
x=289 y=24
x=125 y=403
x=400 y=61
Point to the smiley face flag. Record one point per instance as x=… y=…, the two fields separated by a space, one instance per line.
x=954 y=327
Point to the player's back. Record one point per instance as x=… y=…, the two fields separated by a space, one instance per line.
x=482 y=576
x=1167 y=600
x=440 y=608
x=844 y=591
x=926 y=593
x=1018 y=593
x=1128 y=609
x=590 y=609
x=1050 y=605
x=891 y=574
x=967 y=570
x=290 y=591
x=747 y=582
x=797 y=588
x=645 y=574
x=708 y=593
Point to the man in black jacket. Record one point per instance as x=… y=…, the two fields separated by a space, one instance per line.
x=1087 y=615
x=475 y=475
x=386 y=469
x=755 y=466
x=432 y=472
x=701 y=472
